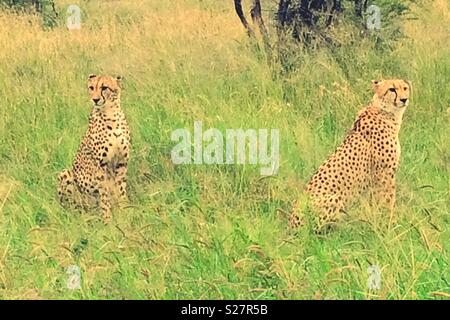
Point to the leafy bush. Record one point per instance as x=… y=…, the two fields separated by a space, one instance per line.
x=46 y=8
x=339 y=25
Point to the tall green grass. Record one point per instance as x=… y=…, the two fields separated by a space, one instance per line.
x=214 y=231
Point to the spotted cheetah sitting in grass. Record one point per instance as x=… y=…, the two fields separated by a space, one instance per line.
x=99 y=171
x=367 y=159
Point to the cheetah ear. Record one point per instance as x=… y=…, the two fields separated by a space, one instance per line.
x=120 y=81
x=375 y=84
x=409 y=82
x=92 y=75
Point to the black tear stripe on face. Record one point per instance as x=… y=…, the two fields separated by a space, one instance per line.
x=395 y=91
x=101 y=93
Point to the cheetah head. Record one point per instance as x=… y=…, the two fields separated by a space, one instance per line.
x=104 y=90
x=392 y=94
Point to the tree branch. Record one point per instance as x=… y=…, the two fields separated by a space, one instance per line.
x=255 y=12
x=240 y=13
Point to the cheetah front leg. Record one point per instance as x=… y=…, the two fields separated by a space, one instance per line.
x=120 y=183
x=383 y=191
x=105 y=203
x=104 y=190
x=66 y=188
x=383 y=188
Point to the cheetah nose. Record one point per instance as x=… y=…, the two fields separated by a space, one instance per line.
x=403 y=100
x=96 y=100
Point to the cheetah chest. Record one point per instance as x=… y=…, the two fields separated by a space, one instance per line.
x=386 y=147
x=112 y=140
x=117 y=145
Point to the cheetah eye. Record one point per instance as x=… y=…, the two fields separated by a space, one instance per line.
x=91 y=88
x=405 y=88
x=104 y=88
x=392 y=89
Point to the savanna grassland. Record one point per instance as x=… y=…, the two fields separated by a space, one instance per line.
x=214 y=231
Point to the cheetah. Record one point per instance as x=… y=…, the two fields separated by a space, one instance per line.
x=99 y=172
x=367 y=159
